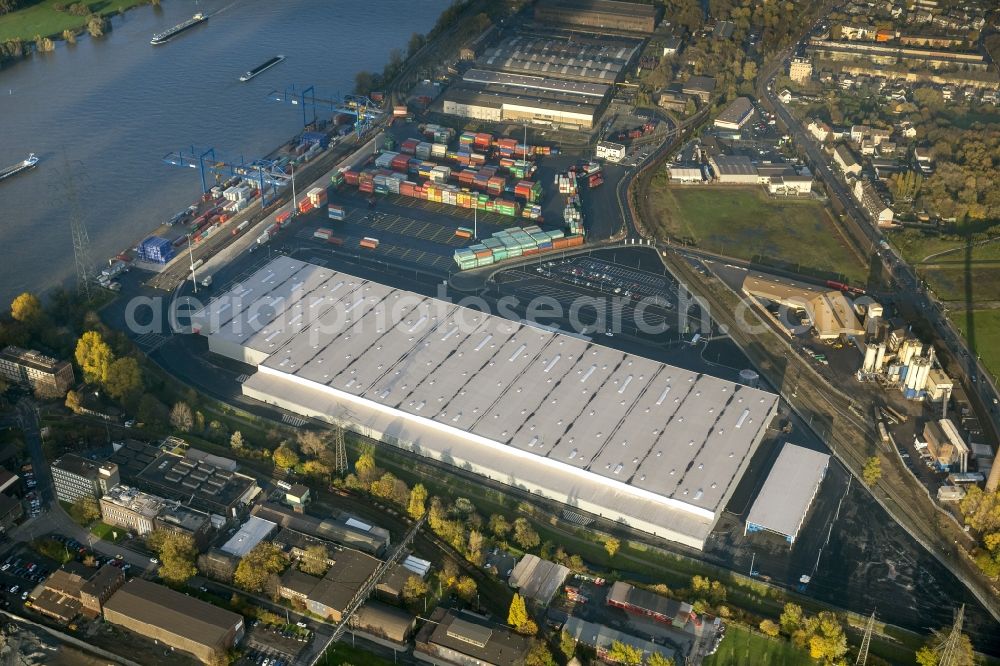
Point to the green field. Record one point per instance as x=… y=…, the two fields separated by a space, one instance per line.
x=743 y=222
x=740 y=647
x=42 y=19
x=341 y=653
x=107 y=532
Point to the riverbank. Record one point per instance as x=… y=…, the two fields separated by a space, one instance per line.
x=42 y=18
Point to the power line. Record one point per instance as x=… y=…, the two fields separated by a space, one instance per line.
x=81 y=239
x=340 y=451
x=865 y=642
x=950 y=649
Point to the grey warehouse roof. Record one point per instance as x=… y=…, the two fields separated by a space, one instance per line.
x=486 y=77
x=783 y=502
x=582 y=412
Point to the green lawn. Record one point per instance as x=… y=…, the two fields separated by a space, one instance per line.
x=740 y=647
x=106 y=532
x=916 y=247
x=952 y=283
x=986 y=325
x=743 y=222
x=341 y=653
x=41 y=19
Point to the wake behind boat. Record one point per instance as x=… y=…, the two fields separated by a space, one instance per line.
x=261 y=68
x=23 y=165
x=167 y=35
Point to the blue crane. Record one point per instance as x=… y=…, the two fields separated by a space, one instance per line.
x=263 y=172
x=363 y=109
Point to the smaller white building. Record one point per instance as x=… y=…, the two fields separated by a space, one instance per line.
x=685 y=174
x=612 y=152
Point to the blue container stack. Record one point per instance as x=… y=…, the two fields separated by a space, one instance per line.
x=156 y=250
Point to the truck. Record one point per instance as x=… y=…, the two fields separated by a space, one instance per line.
x=206 y=281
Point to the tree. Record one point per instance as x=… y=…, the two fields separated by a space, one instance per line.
x=791 y=618
x=828 y=642
x=539 y=655
x=657 y=659
x=517 y=614
x=364 y=466
x=285 y=457
x=85 y=510
x=73 y=403
x=415 y=44
x=872 y=471
x=567 y=645
x=316 y=469
x=749 y=70
x=930 y=654
x=236 y=441
x=94 y=357
x=475 y=548
x=26 y=309
x=414 y=588
x=623 y=653
x=612 y=545
x=177 y=553
x=417 y=504
x=364 y=82
x=181 y=417
x=311 y=444
x=151 y=411
x=314 y=560
x=258 y=565
x=769 y=628
x=466 y=588
x=525 y=535
x=499 y=526
x=124 y=378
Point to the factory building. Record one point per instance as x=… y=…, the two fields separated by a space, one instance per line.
x=36 y=371
x=685 y=174
x=736 y=115
x=783 y=503
x=828 y=312
x=174 y=619
x=504 y=103
x=734 y=170
x=464 y=638
x=491 y=395
x=945 y=445
x=599 y=14
x=601 y=638
x=612 y=152
x=580 y=59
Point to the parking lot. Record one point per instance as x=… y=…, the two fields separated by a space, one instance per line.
x=274 y=646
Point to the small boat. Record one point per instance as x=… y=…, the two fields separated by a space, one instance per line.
x=167 y=35
x=261 y=68
x=23 y=165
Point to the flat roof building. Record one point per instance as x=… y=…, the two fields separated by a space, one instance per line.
x=464 y=638
x=734 y=169
x=736 y=115
x=36 y=371
x=783 y=503
x=75 y=477
x=599 y=14
x=175 y=619
x=131 y=509
x=199 y=484
x=701 y=87
x=342 y=530
x=507 y=103
x=488 y=77
x=492 y=396
x=251 y=533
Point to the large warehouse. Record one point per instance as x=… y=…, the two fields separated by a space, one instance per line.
x=783 y=503
x=604 y=14
x=657 y=447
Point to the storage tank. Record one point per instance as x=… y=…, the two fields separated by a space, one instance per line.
x=880 y=357
x=749 y=377
x=870 y=353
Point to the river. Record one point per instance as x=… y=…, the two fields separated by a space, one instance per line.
x=101 y=114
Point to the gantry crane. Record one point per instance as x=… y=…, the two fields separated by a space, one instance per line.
x=263 y=172
x=363 y=109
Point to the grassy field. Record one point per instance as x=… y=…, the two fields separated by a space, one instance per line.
x=742 y=647
x=341 y=653
x=986 y=326
x=42 y=19
x=107 y=532
x=916 y=247
x=743 y=222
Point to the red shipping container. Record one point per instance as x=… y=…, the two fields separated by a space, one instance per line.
x=283 y=216
x=335 y=241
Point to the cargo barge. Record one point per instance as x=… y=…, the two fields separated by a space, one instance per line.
x=260 y=69
x=23 y=165
x=167 y=35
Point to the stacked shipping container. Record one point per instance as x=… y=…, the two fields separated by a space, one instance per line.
x=511 y=243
